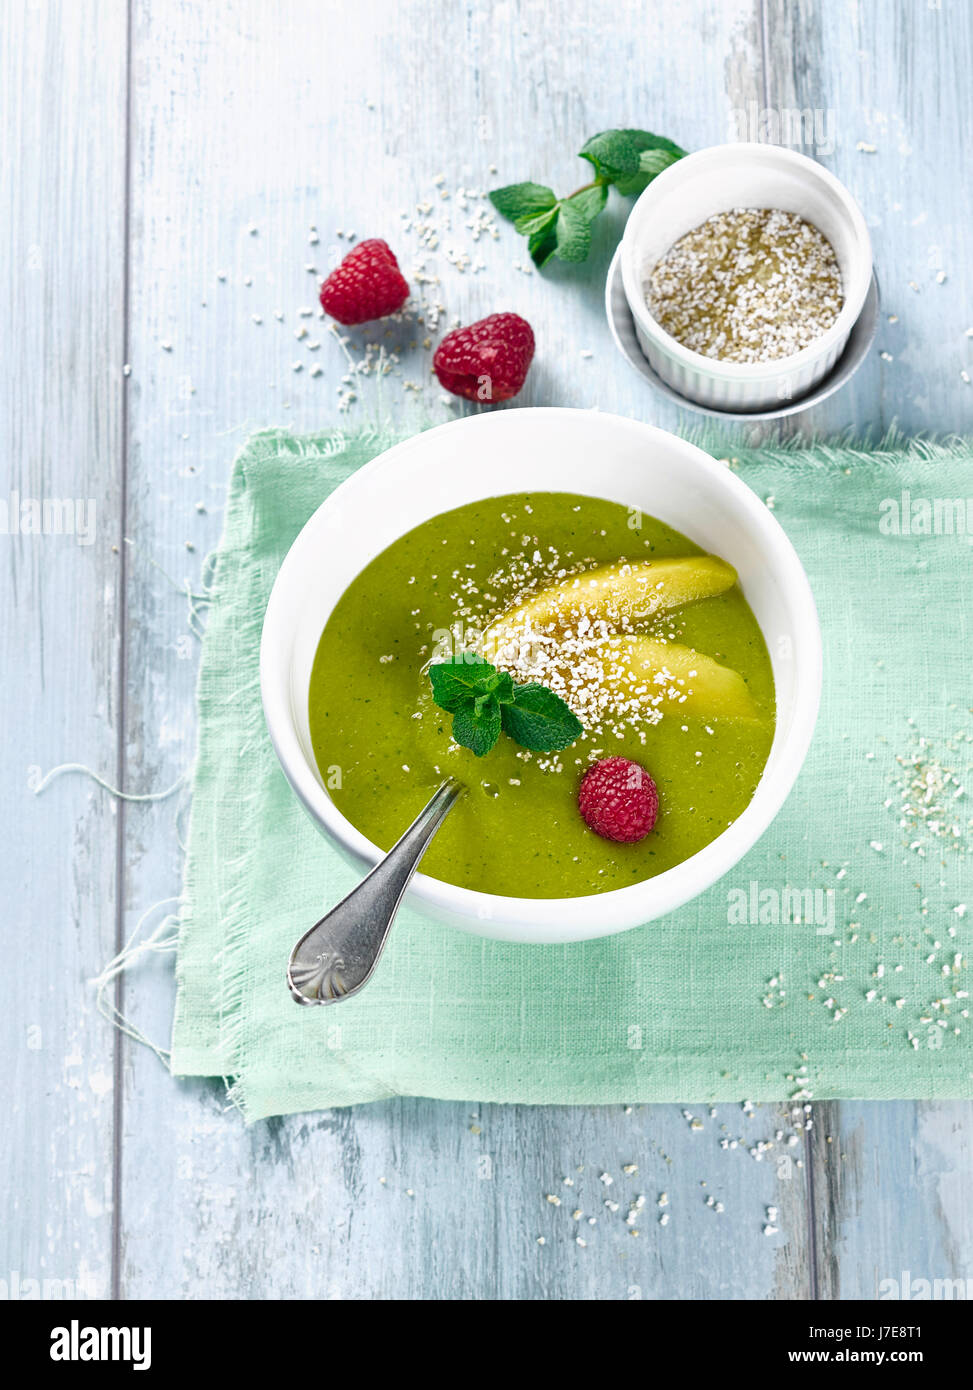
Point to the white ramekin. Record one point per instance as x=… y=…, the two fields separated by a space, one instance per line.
x=544 y=450
x=743 y=176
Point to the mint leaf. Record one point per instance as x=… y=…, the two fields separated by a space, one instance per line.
x=574 y=222
x=651 y=162
x=518 y=200
x=478 y=728
x=573 y=241
x=564 y=230
x=498 y=683
x=616 y=155
x=629 y=159
x=540 y=720
x=455 y=682
x=483 y=701
x=612 y=153
x=647 y=141
x=543 y=244
x=587 y=202
x=536 y=221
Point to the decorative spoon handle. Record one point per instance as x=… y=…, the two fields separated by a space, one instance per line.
x=337 y=956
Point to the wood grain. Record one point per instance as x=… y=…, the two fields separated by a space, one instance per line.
x=308 y=136
x=893 y=85
x=62 y=143
x=250 y=125
x=877 y=1168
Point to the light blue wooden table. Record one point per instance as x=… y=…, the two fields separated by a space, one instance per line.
x=162 y=166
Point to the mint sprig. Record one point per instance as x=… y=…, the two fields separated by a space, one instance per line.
x=627 y=159
x=485 y=702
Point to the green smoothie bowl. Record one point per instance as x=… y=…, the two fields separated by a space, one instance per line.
x=528 y=601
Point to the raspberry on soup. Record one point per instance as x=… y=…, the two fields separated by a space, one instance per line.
x=618 y=800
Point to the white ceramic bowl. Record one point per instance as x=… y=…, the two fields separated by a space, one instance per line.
x=544 y=450
x=743 y=176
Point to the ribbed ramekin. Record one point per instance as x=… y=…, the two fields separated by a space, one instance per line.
x=717 y=180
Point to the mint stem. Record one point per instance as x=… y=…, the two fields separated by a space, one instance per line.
x=595 y=183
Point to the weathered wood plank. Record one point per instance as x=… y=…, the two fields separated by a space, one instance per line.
x=423 y=1199
x=894 y=1184
x=62 y=201
x=888 y=87
x=890 y=1179
x=245 y=115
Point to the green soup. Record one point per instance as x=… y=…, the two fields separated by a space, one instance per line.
x=383 y=747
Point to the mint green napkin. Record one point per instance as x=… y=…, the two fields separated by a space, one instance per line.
x=721 y=1001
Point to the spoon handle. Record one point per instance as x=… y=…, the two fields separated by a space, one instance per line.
x=336 y=957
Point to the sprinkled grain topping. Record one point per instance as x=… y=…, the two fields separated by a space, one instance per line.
x=750 y=285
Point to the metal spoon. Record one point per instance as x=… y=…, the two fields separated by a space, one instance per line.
x=337 y=956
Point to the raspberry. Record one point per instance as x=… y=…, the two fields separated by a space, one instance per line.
x=618 y=800
x=488 y=360
x=368 y=284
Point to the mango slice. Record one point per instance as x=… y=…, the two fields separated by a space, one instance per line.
x=686 y=679
x=614 y=593
x=573 y=637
